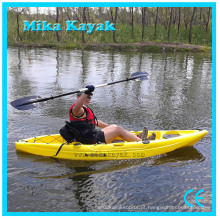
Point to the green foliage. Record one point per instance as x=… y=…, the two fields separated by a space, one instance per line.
x=123 y=31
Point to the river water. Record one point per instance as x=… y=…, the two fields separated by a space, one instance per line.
x=177 y=95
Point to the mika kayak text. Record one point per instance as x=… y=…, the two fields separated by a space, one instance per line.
x=71 y=26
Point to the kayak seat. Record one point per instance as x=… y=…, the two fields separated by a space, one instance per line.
x=167 y=136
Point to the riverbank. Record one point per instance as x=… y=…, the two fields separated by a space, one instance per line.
x=141 y=46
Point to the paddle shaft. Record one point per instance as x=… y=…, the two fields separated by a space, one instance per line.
x=80 y=90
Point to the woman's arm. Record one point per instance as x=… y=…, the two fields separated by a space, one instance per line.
x=78 y=110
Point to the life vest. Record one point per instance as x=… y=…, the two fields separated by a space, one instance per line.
x=82 y=129
x=90 y=117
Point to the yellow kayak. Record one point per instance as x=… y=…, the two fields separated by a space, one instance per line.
x=55 y=146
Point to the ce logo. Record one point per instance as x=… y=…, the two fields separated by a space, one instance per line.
x=196 y=198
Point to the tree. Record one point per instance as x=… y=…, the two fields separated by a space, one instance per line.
x=191 y=24
x=170 y=22
x=186 y=17
x=114 y=20
x=88 y=12
x=57 y=20
x=84 y=21
x=143 y=10
x=179 y=21
x=132 y=21
x=37 y=12
x=155 y=23
x=207 y=24
x=19 y=11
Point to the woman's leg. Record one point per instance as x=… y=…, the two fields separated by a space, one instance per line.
x=113 y=131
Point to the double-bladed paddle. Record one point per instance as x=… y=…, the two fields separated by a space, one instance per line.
x=28 y=102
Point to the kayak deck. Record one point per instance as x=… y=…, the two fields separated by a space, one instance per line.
x=55 y=146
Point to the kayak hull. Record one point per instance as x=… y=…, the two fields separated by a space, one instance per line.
x=55 y=146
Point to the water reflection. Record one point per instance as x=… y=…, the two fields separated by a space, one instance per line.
x=179 y=157
x=87 y=177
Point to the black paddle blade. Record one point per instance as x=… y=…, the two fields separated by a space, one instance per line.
x=140 y=76
x=22 y=104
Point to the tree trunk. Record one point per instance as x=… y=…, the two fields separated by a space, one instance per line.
x=200 y=17
x=155 y=24
x=166 y=21
x=116 y=14
x=18 y=27
x=88 y=15
x=57 y=20
x=114 y=20
x=170 y=22
x=132 y=22
x=111 y=12
x=179 y=21
x=143 y=22
x=37 y=11
x=191 y=24
x=174 y=16
x=207 y=24
x=67 y=13
x=184 y=18
x=84 y=20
